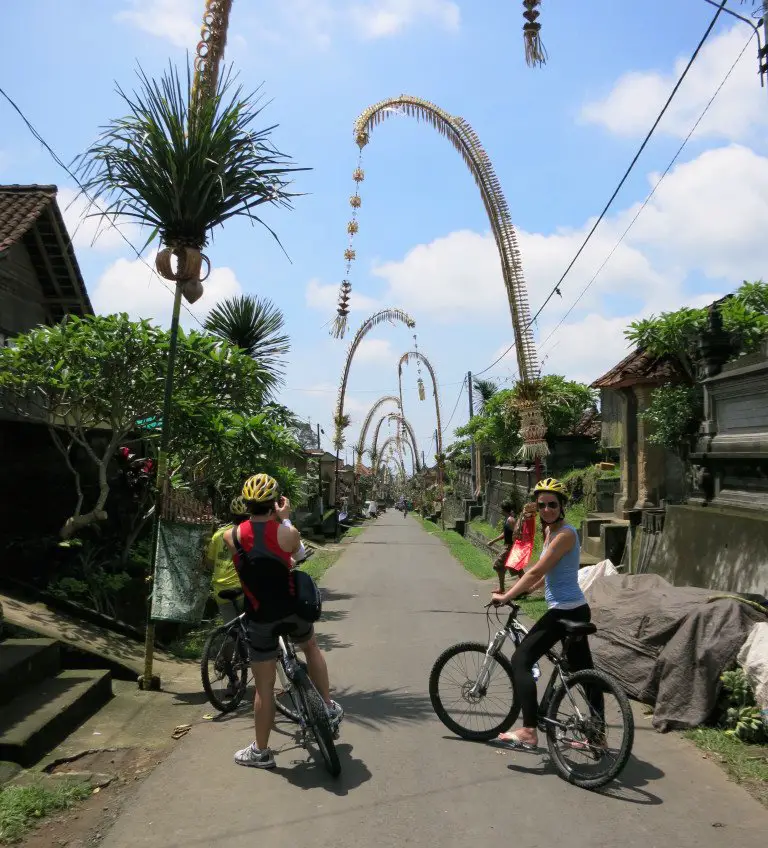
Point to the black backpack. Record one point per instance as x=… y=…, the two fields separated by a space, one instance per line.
x=309 y=603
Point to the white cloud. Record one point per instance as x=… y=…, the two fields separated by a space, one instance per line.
x=316 y=21
x=88 y=229
x=697 y=238
x=375 y=352
x=129 y=286
x=636 y=98
x=178 y=21
x=383 y=18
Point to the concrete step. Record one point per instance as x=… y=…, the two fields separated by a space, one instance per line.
x=40 y=718
x=25 y=662
x=593 y=546
x=587 y=559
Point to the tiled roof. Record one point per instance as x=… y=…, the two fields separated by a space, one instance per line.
x=20 y=207
x=638 y=368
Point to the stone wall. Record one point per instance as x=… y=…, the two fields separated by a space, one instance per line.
x=714 y=548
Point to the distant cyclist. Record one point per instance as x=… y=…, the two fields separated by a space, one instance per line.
x=219 y=559
x=263 y=547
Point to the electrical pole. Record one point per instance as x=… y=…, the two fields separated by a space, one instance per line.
x=473 y=468
x=320 y=471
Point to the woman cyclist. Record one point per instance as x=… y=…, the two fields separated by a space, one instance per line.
x=557 y=569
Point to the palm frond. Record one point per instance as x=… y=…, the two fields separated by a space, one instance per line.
x=254 y=325
x=184 y=171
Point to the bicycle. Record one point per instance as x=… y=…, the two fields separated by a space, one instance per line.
x=585 y=734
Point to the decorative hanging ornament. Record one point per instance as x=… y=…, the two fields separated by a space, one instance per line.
x=342 y=311
x=535 y=53
x=422 y=392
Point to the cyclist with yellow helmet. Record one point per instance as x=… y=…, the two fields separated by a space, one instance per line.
x=264 y=547
x=558 y=570
x=219 y=560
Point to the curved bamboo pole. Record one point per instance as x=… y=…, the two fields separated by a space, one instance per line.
x=466 y=142
x=404 y=359
x=340 y=421
x=395 y=441
x=367 y=423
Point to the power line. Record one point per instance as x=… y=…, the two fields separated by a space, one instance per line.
x=653 y=192
x=456 y=405
x=556 y=287
x=93 y=203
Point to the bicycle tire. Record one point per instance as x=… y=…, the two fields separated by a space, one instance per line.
x=441 y=712
x=612 y=686
x=232 y=703
x=290 y=712
x=319 y=723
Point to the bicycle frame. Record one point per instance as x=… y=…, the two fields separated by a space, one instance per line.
x=516 y=632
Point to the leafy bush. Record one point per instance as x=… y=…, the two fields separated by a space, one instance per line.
x=675 y=413
x=582 y=485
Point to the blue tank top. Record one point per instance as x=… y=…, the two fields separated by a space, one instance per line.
x=561 y=584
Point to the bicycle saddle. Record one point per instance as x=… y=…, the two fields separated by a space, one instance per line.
x=578 y=628
x=230 y=594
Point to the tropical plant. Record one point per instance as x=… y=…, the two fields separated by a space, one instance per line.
x=255 y=326
x=485 y=389
x=97 y=382
x=182 y=166
x=744 y=315
x=739 y=714
x=497 y=428
x=674 y=413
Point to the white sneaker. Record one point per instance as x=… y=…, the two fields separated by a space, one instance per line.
x=253 y=757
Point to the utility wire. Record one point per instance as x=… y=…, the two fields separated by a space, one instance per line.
x=653 y=192
x=93 y=203
x=556 y=287
x=456 y=405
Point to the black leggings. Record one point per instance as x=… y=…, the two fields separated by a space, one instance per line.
x=543 y=636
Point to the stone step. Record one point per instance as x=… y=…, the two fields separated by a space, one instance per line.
x=587 y=559
x=25 y=662
x=40 y=718
x=593 y=546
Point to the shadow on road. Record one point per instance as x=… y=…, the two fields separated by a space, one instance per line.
x=626 y=787
x=330 y=595
x=380 y=708
x=309 y=773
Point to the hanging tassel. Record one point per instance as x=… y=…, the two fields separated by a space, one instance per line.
x=422 y=393
x=339 y=327
x=535 y=53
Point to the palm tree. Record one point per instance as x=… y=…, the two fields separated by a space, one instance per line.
x=254 y=325
x=485 y=389
x=182 y=165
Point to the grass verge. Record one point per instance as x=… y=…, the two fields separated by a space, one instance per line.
x=478 y=563
x=21 y=807
x=320 y=563
x=354 y=531
x=745 y=764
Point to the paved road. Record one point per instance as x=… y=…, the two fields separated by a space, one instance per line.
x=395 y=600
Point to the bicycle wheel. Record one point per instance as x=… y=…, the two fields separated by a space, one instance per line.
x=460 y=666
x=600 y=740
x=319 y=722
x=224 y=668
x=285 y=696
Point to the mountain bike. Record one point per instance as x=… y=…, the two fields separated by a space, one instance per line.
x=476 y=669
x=225 y=667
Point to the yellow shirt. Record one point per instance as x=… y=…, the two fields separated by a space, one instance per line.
x=224 y=572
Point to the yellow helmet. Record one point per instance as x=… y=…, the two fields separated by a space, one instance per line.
x=551 y=485
x=237 y=506
x=260 y=488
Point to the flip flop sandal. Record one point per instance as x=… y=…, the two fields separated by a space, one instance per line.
x=509 y=740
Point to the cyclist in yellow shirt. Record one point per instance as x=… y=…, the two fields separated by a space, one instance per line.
x=219 y=558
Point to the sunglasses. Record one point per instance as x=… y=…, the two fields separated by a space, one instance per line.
x=548 y=505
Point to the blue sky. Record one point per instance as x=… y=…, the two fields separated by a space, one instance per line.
x=559 y=138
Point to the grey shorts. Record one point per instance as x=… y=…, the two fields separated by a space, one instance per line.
x=263 y=643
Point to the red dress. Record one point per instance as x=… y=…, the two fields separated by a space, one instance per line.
x=521 y=551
